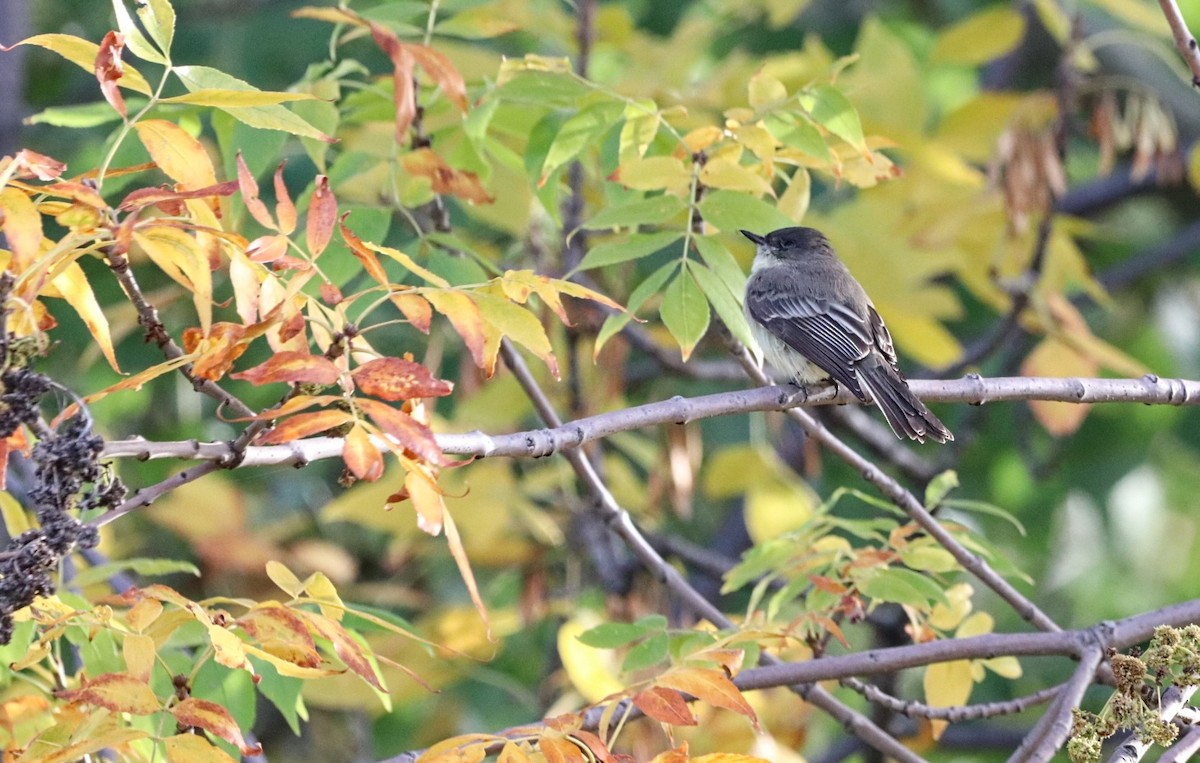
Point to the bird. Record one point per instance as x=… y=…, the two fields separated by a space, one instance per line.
x=814 y=321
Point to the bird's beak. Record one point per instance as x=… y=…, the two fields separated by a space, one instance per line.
x=757 y=239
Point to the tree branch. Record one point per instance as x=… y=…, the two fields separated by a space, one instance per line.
x=974 y=390
x=1184 y=40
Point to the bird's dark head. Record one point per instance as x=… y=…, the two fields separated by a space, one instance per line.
x=791 y=243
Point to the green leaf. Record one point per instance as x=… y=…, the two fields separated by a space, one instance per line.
x=655 y=209
x=929 y=557
x=684 y=312
x=724 y=301
x=142 y=566
x=939 y=487
x=634 y=247
x=642 y=118
x=281 y=691
x=134 y=39
x=475 y=124
x=650 y=652
x=644 y=290
x=543 y=88
x=901 y=586
x=84 y=115
x=722 y=262
x=981 y=37
x=804 y=136
x=731 y=211
x=579 y=131
x=982 y=507
x=833 y=111
x=613 y=635
x=268 y=117
x=159 y=19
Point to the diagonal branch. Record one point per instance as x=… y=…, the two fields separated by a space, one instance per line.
x=1184 y=40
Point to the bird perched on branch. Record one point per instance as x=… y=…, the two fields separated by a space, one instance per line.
x=814 y=321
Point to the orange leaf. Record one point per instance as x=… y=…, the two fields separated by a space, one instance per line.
x=454 y=541
x=281 y=632
x=678 y=755
x=249 y=187
x=665 y=705
x=712 y=686
x=139 y=653
x=40 y=166
x=443 y=72
x=322 y=214
x=72 y=285
x=399 y=379
x=109 y=69
x=424 y=162
x=305 y=424
x=118 y=692
x=79 y=192
x=285 y=210
x=223 y=345
x=404 y=429
x=362 y=253
x=416 y=309
x=216 y=720
x=291 y=366
x=267 y=248
x=176 y=153
x=344 y=646
x=559 y=750
x=594 y=743
x=362 y=458
x=1053 y=357
x=464 y=315
x=297 y=403
x=402 y=78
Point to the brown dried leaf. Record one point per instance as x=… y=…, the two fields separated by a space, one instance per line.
x=399 y=379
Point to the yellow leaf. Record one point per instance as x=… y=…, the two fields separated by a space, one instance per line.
x=976 y=625
x=464 y=570
x=464 y=315
x=593 y=672
x=774 y=508
x=179 y=256
x=642 y=118
x=83 y=53
x=194 y=748
x=139 y=653
x=1005 y=667
x=794 y=201
x=729 y=174
x=220 y=98
x=72 y=284
x=949 y=615
x=16 y=521
x=1193 y=168
x=1053 y=358
x=981 y=37
x=947 y=684
x=22 y=229
x=409 y=264
x=176 y=153
x=281 y=576
x=505 y=319
x=654 y=173
x=765 y=90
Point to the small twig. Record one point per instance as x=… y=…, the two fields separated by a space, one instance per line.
x=915 y=709
x=149 y=495
x=1052 y=730
x=1184 y=40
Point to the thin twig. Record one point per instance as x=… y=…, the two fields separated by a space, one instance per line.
x=1184 y=40
x=1052 y=730
x=915 y=709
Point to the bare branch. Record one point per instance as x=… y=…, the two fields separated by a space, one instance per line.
x=1052 y=730
x=1184 y=40
x=975 y=390
x=915 y=709
x=1183 y=750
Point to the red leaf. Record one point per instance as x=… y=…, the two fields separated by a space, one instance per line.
x=443 y=72
x=109 y=69
x=281 y=632
x=144 y=197
x=665 y=705
x=40 y=166
x=362 y=458
x=331 y=294
x=398 y=379
x=285 y=210
x=404 y=429
x=293 y=367
x=362 y=253
x=202 y=714
x=249 y=187
x=322 y=215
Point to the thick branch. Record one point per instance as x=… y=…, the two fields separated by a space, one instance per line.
x=1149 y=390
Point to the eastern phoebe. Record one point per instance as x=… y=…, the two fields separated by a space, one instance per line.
x=814 y=321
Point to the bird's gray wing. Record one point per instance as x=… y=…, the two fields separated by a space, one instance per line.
x=827 y=333
x=883 y=341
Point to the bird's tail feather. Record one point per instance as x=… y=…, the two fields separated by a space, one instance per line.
x=905 y=414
